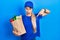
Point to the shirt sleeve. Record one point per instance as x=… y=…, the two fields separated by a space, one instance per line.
x=39 y=17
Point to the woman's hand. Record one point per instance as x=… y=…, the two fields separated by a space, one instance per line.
x=16 y=33
x=44 y=12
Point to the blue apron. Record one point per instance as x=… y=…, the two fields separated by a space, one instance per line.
x=30 y=35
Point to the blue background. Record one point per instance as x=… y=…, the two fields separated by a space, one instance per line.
x=49 y=25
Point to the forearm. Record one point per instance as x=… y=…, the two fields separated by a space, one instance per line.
x=43 y=12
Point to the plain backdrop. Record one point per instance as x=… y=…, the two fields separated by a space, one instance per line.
x=49 y=25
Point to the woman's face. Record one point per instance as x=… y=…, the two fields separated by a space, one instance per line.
x=28 y=10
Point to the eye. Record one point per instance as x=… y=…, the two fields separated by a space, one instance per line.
x=28 y=8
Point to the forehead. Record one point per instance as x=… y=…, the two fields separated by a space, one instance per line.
x=28 y=8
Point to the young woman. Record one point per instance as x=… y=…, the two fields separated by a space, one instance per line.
x=31 y=22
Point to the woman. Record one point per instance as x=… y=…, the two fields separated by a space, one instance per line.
x=31 y=22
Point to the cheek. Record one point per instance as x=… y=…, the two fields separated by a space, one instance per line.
x=29 y=11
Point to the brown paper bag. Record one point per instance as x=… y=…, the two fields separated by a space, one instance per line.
x=18 y=26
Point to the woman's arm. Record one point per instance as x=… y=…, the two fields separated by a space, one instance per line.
x=43 y=12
